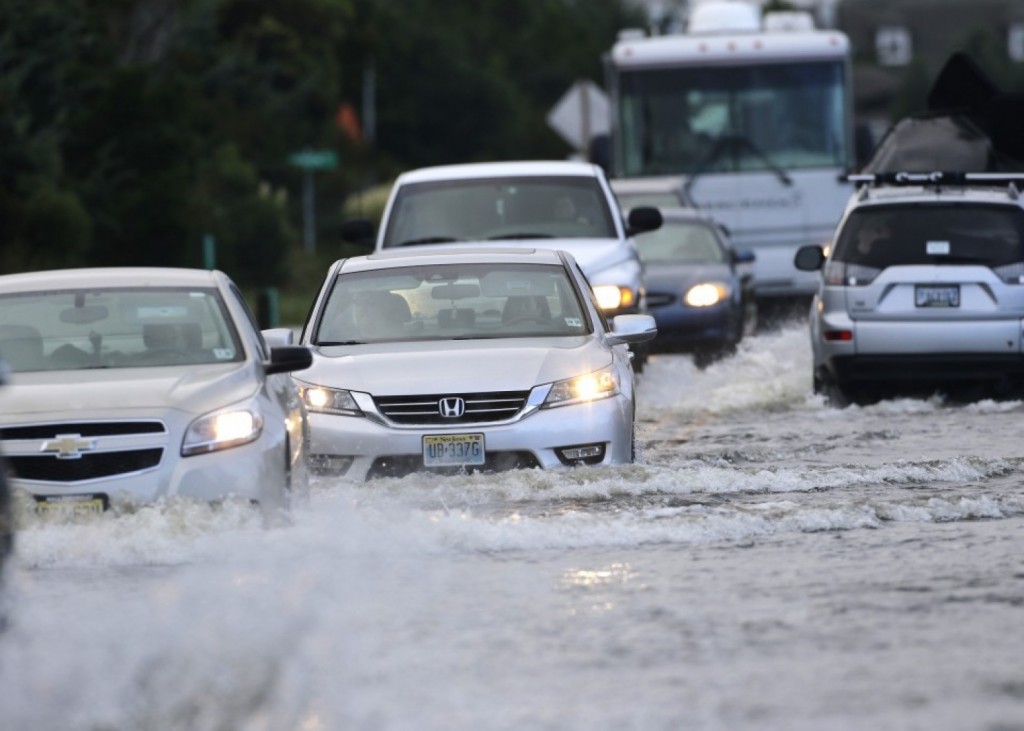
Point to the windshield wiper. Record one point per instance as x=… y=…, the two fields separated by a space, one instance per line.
x=339 y=342
x=524 y=235
x=429 y=240
x=733 y=144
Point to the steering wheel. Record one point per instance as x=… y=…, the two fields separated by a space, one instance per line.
x=172 y=355
x=529 y=318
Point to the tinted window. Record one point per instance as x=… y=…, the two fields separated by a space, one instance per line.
x=879 y=237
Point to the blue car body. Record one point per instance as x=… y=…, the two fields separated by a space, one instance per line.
x=690 y=251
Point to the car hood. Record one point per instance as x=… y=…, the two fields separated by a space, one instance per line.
x=668 y=277
x=462 y=366
x=593 y=255
x=92 y=393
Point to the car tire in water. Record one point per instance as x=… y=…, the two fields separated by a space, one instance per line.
x=837 y=395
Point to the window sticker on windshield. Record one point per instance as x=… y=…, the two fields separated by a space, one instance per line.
x=574 y=322
x=937 y=248
x=161 y=313
x=223 y=353
x=519 y=286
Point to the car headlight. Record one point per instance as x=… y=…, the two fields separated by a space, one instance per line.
x=589 y=387
x=706 y=294
x=612 y=297
x=323 y=400
x=222 y=430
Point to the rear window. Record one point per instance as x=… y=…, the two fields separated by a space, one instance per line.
x=887 y=236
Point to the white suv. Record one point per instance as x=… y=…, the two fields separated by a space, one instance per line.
x=556 y=204
x=923 y=288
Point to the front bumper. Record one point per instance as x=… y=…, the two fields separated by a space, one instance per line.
x=363 y=447
x=253 y=472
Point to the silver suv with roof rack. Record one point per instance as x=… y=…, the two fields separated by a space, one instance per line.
x=922 y=289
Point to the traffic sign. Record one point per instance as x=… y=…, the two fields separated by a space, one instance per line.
x=581 y=114
x=314 y=159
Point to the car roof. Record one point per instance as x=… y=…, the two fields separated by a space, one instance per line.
x=524 y=168
x=439 y=254
x=108 y=277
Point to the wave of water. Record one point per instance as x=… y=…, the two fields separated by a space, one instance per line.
x=717 y=483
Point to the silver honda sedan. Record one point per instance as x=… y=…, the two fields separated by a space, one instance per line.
x=469 y=359
x=130 y=385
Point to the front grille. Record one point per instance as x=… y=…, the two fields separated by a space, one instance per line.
x=426 y=409
x=84 y=429
x=403 y=465
x=90 y=466
x=660 y=299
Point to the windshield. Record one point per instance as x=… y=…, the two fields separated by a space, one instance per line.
x=683 y=242
x=732 y=119
x=499 y=208
x=885 y=236
x=451 y=302
x=115 y=328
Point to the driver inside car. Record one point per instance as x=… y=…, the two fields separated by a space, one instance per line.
x=531 y=308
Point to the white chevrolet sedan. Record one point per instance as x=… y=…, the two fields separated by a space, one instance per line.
x=468 y=359
x=130 y=385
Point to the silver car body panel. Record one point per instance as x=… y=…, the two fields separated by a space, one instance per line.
x=426 y=372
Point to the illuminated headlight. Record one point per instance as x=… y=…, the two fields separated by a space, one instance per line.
x=611 y=297
x=590 y=387
x=706 y=294
x=221 y=430
x=325 y=400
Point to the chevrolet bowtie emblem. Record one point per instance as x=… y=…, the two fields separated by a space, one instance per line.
x=68 y=446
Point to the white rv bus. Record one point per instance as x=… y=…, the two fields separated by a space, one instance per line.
x=752 y=118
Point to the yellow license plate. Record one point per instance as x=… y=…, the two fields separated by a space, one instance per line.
x=71 y=505
x=446 y=450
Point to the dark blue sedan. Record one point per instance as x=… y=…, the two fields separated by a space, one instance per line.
x=699 y=290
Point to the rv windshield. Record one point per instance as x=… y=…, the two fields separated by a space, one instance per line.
x=731 y=119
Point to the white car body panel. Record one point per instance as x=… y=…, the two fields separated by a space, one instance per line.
x=38 y=407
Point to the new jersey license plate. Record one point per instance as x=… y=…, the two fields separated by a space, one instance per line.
x=71 y=505
x=937 y=295
x=446 y=450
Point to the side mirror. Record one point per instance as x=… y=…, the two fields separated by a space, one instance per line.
x=743 y=256
x=358 y=231
x=288 y=358
x=809 y=258
x=632 y=329
x=278 y=336
x=643 y=219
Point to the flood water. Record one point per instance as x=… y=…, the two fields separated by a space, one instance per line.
x=769 y=563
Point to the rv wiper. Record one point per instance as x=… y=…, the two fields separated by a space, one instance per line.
x=733 y=144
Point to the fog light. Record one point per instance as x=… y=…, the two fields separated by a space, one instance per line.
x=585 y=453
x=330 y=464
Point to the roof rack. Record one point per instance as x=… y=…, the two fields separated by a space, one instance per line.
x=937 y=177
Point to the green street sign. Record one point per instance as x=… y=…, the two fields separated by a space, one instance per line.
x=314 y=159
